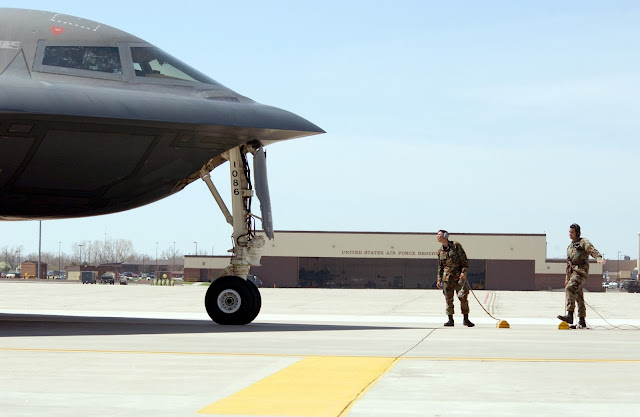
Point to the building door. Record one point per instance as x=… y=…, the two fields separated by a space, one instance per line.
x=204 y=275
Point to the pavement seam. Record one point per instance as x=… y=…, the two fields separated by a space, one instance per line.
x=348 y=407
x=364 y=390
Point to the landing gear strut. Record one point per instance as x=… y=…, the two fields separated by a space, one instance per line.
x=231 y=298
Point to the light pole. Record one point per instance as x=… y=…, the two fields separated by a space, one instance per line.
x=173 y=263
x=618 y=266
x=40 y=250
x=196 y=248
x=59 y=259
x=81 y=254
x=156 y=259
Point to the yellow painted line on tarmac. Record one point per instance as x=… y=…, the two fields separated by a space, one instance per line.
x=320 y=386
x=568 y=360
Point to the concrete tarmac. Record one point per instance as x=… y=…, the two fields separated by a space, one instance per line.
x=70 y=350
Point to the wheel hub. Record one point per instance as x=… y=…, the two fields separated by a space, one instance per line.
x=229 y=301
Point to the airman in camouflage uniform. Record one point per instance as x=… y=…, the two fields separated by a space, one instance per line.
x=452 y=271
x=577 y=273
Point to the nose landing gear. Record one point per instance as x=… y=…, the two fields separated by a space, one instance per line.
x=231 y=298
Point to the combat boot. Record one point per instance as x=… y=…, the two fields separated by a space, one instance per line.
x=582 y=322
x=568 y=318
x=467 y=322
x=450 y=322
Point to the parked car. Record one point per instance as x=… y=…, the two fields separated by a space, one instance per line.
x=255 y=280
x=631 y=286
x=123 y=280
x=107 y=278
x=152 y=275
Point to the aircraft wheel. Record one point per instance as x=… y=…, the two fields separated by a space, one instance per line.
x=231 y=300
x=258 y=298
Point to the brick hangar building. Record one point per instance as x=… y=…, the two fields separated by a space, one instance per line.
x=397 y=260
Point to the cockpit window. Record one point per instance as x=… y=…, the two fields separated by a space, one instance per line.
x=154 y=63
x=91 y=58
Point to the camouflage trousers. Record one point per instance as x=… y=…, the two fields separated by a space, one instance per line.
x=451 y=286
x=573 y=292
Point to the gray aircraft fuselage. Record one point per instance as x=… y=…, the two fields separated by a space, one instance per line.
x=94 y=120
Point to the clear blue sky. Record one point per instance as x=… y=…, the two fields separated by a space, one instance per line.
x=474 y=116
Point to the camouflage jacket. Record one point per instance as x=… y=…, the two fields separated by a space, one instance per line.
x=452 y=261
x=578 y=257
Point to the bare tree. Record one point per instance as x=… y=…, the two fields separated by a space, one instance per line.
x=173 y=257
x=92 y=252
x=169 y=253
x=109 y=251
x=123 y=250
x=147 y=263
x=54 y=260
x=12 y=256
x=78 y=253
x=103 y=251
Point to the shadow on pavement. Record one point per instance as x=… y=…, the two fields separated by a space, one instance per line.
x=21 y=325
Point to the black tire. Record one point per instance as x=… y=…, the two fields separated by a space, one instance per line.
x=632 y=289
x=258 y=298
x=231 y=300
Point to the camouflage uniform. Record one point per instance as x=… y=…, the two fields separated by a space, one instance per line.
x=452 y=261
x=577 y=273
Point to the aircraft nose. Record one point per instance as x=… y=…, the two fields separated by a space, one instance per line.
x=269 y=124
x=263 y=122
x=275 y=118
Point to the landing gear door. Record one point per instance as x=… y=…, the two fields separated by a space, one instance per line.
x=262 y=190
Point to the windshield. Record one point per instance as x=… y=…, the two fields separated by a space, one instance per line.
x=154 y=63
x=91 y=58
